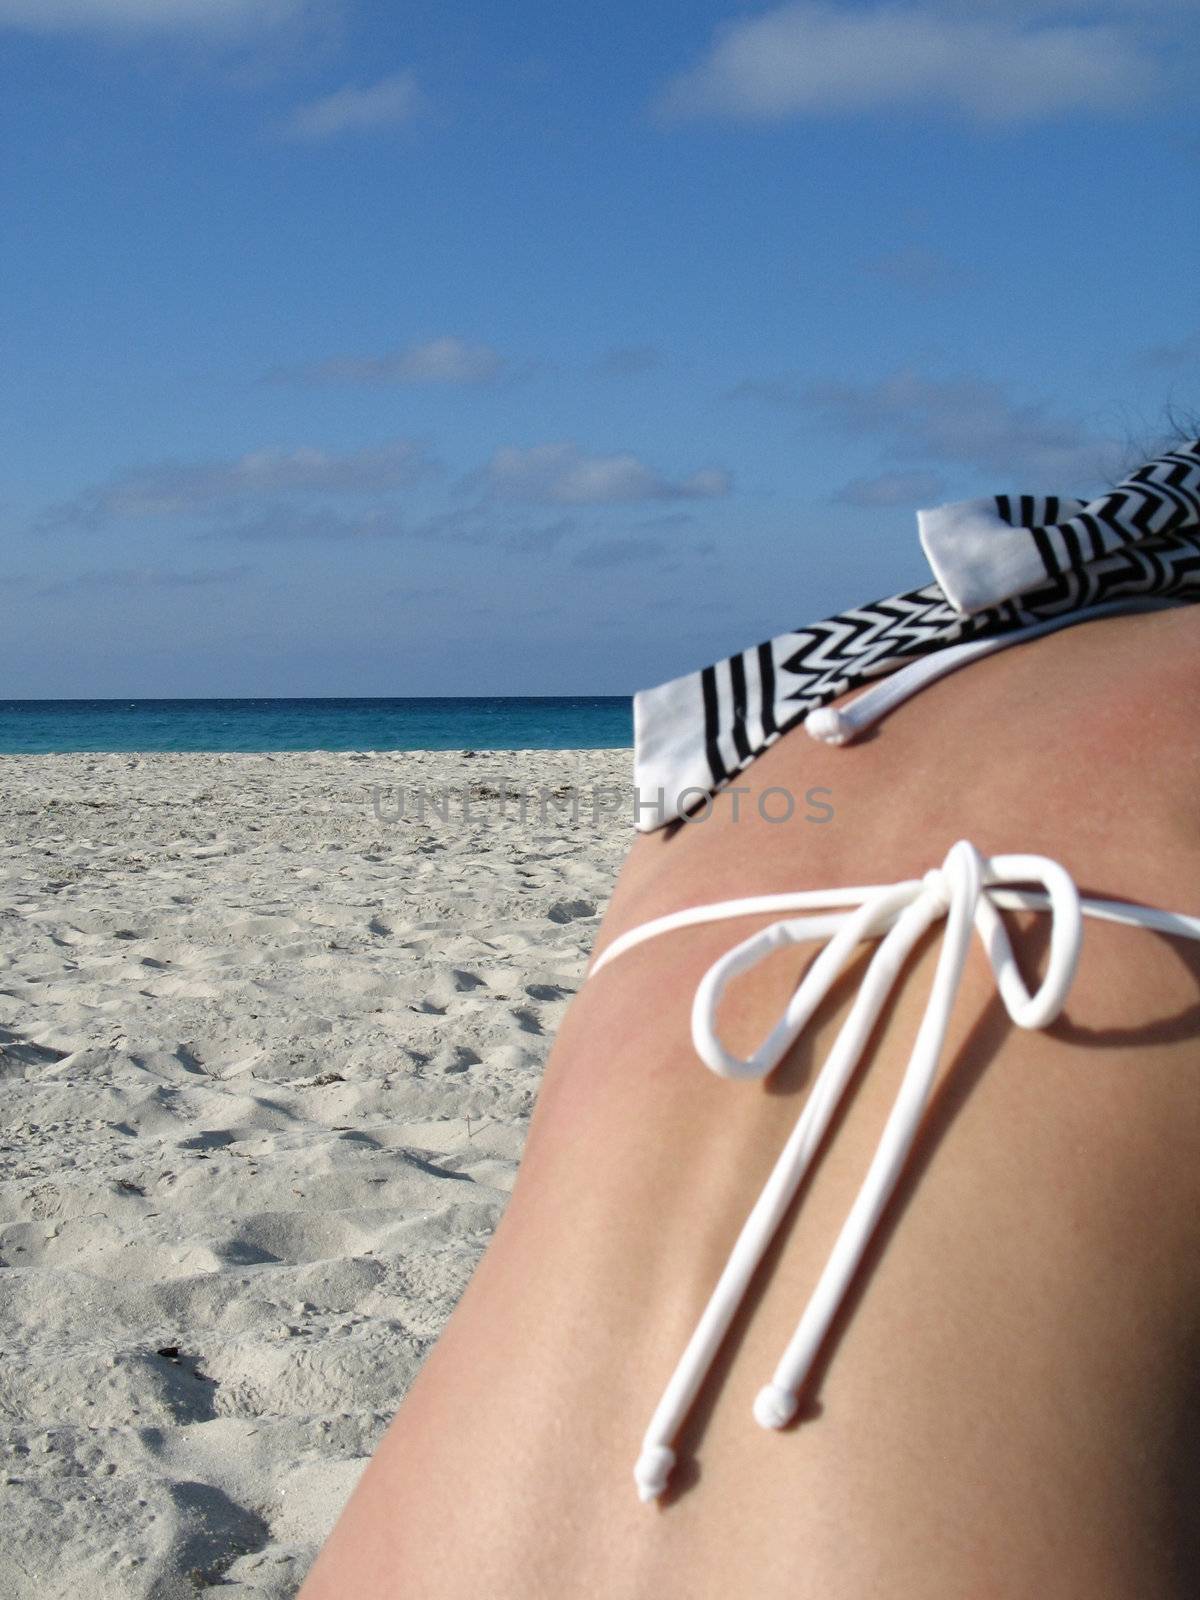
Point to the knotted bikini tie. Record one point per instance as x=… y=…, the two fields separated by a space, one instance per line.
x=969 y=890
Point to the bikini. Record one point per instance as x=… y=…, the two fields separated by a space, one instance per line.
x=1006 y=570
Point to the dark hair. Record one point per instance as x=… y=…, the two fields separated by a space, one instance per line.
x=1178 y=427
x=1183 y=426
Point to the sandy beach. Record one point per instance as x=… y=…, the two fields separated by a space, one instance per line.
x=269 y=1049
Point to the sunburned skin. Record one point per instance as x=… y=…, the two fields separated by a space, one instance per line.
x=1008 y=1404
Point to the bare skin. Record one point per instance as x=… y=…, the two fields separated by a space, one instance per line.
x=1009 y=1403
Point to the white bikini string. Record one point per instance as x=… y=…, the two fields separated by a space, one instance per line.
x=842 y=724
x=968 y=890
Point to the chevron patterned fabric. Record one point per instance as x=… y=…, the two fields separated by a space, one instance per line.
x=999 y=564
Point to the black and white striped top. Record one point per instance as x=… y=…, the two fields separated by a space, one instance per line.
x=999 y=564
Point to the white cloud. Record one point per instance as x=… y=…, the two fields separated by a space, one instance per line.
x=775 y=391
x=560 y=474
x=892 y=489
x=1183 y=353
x=385 y=104
x=538 y=541
x=812 y=58
x=149 y=16
x=1044 y=10
x=128 y=580
x=967 y=422
x=624 y=550
x=173 y=488
x=447 y=360
x=289 y=524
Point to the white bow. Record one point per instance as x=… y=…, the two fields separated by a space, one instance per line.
x=966 y=890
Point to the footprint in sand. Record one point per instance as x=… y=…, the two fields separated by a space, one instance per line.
x=463 y=1058
x=546 y=991
x=570 y=910
x=17 y=1050
x=465 y=981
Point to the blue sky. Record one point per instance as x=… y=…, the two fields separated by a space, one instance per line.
x=365 y=348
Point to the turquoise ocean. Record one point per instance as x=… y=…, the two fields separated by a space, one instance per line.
x=577 y=722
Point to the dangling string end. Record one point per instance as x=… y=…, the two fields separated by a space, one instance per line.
x=828 y=725
x=775 y=1406
x=653 y=1471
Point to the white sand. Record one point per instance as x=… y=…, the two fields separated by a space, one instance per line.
x=266 y=1066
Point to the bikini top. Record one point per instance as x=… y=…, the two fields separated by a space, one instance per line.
x=1136 y=548
x=1005 y=569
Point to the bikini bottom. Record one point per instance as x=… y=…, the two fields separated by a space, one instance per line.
x=969 y=890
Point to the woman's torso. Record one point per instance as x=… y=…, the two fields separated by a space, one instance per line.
x=1008 y=1404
